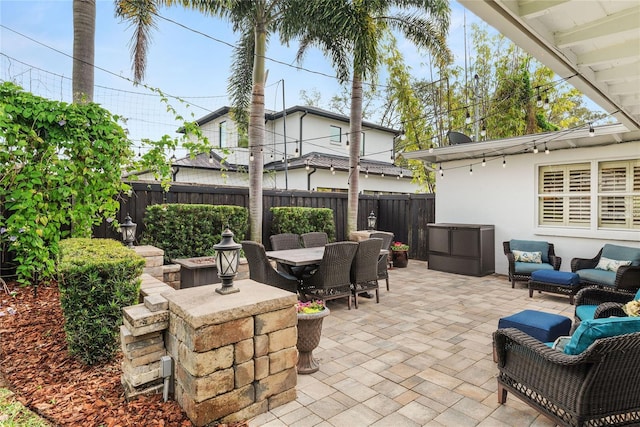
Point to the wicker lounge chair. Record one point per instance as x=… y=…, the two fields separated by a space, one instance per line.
x=315 y=239
x=521 y=271
x=364 y=269
x=598 y=387
x=261 y=270
x=625 y=278
x=597 y=303
x=332 y=279
x=384 y=261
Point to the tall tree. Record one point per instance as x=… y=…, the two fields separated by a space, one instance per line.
x=352 y=36
x=255 y=20
x=84 y=33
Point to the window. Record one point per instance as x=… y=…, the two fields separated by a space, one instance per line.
x=335 y=135
x=222 y=134
x=362 y=144
x=564 y=196
x=597 y=195
x=619 y=194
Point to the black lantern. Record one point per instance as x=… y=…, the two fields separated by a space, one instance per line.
x=227 y=257
x=371 y=221
x=128 y=230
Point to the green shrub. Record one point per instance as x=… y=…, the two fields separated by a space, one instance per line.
x=186 y=231
x=97 y=278
x=303 y=220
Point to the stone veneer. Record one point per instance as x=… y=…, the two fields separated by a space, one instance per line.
x=235 y=355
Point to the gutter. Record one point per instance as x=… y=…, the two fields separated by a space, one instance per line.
x=302 y=117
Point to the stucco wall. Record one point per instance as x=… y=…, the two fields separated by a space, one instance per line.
x=506 y=197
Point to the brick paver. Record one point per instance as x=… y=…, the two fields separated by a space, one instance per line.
x=421 y=357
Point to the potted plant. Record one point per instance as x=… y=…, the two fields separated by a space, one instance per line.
x=310 y=316
x=400 y=254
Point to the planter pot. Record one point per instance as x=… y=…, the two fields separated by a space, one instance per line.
x=400 y=258
x=197 y=271
x=309 y=332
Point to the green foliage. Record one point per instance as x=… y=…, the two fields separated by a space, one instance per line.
x=98 y=277
x=186 y=231
x=15 y=414
x=303 y=220
x=60 y=174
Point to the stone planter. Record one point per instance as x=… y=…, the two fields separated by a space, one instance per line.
x=197 y=271
x=400 y=258
x=309 y=332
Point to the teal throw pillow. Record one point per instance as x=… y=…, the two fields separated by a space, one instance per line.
x=593 y=329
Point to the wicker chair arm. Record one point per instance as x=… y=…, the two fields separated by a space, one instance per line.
x=583 y=263
x=509 y=339
x=608 y=309
x=596 y=296
x=628 y=278
x=555 y=261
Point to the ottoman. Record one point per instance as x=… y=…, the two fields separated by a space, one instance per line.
x=545 y=327
x=557 y=282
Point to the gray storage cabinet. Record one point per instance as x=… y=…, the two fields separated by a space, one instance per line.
x=467 y=249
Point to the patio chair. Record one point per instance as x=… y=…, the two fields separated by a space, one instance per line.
x=384 y=261
x=284 y=241
x=521 y=267
x=593 y=381
x=261 y=270
x=332 y=279
x=597 y=303
x=614 y=266
x=364 y=269
x=315 y=239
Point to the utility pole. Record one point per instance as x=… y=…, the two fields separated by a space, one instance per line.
x=476 y=108
x=284 y=134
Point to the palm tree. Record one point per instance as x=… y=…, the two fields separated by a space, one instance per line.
x=357 y=32
x=255 y=20
x=84 y=32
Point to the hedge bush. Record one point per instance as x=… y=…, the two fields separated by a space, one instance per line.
x=303 y=220
x=186 y=231
x=97 y=278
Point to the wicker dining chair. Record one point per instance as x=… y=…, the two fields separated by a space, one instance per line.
x=315 y=239
x=364 y=269
x=384 y=261
x=261 y=270
x=284 y=241
x=332 y=279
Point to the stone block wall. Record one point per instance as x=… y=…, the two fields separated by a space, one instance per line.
x=154 y=258
x=235 y=355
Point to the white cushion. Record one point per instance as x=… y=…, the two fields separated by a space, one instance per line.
x=611 y=264
x=522 y=256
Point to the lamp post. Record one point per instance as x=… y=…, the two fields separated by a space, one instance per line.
x=128 y=230
x=371 y=221
x=227 y=257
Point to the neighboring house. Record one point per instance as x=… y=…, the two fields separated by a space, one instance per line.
x=316 y=150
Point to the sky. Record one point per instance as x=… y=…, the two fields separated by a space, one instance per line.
x=36 y=44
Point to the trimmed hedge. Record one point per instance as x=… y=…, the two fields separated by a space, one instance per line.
x=186 y=231
x=303 y=220
x=97 y=278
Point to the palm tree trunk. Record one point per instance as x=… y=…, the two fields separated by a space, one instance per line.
x=84 y=31
x=256 y=135
x=355 y=136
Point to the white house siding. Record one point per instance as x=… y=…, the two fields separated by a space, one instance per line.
x=507 y=198
x=297 y=179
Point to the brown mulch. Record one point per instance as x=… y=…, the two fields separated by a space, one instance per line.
x=36 y=366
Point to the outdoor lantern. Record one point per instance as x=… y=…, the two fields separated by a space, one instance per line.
x=227 y=257
x=371 y=221
x=128 y=230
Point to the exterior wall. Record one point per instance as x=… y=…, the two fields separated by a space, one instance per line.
x=507 y=198
x=322 y=178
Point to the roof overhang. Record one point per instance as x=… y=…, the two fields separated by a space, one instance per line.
x=559 y=140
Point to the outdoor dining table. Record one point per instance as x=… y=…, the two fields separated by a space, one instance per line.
x=302 y=256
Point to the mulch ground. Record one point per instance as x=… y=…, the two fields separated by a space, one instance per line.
x=35 y=365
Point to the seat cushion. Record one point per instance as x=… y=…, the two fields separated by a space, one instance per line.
x=595 y=275
x=545 y=327
x=622 y=253
x=531 y=246
x=593 y=329
x=564 y=278
x=530 y=267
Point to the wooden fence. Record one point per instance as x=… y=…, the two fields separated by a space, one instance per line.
x=406 y=216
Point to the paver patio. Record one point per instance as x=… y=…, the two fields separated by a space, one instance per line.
x=422 y=357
